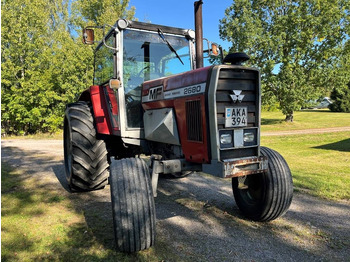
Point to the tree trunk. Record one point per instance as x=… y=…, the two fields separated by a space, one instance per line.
x=289 y=117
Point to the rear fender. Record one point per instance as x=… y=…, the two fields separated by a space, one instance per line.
x=105 y=108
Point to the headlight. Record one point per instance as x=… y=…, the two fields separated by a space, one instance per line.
x=226 y=139
x=122 y=24
x=248 y=137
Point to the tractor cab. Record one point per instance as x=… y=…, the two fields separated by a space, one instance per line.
x=134 y=52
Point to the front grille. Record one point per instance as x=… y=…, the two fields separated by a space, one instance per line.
x=246 y=81
x=194 y=121
x=230 y=79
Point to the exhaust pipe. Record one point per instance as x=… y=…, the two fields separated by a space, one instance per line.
x=198 y=23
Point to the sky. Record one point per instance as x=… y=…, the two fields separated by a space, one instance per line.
x=180 y=13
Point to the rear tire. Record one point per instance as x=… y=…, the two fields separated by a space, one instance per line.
x=266 y=196
x=85 y=156
x=132 y=205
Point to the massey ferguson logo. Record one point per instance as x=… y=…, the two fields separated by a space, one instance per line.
x=237 y=96
x=155 y=93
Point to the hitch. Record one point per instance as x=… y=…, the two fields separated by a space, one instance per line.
x=159 y=166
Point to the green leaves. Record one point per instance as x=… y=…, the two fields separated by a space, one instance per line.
x=296 y=44
x=44 y=63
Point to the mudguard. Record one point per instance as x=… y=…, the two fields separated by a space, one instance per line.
x=105 y=107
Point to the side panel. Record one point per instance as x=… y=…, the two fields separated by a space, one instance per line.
x=185 y=93
x=105 y=108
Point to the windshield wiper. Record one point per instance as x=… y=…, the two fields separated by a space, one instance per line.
x=160 y=33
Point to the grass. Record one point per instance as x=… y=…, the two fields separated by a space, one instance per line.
x=41 y=223
x=306 y=119
x=320 y=163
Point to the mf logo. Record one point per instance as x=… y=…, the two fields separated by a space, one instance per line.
x=237 y=96
x=155 y=93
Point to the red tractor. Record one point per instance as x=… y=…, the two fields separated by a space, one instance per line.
x=153 y=96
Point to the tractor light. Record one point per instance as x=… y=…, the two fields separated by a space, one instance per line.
x=226 y=139
x=114 y=83
x=122 y=24
x=190 y=34
x=248 y=137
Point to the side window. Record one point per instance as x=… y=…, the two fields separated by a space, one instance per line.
x=104 y=62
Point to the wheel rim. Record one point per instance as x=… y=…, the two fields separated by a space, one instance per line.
x=254 y=193
x=67 y=150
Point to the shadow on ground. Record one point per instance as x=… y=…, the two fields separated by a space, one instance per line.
x=342 y=146
x=271 y=121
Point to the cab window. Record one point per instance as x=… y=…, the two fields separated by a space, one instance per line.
x=104 y=62
x=147 y=56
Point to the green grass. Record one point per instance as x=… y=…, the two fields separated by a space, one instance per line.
x=320 y=163
x=306 y=119
x=41 y=223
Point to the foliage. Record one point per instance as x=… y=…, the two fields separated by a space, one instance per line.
x=296 y=44
x=341 y=99
x=44 y=63
x=97 y=12
x=341 y=92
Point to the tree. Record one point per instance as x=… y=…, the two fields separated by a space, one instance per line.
x=44 y=62
x=341 y=92
x=97 y=12
x=27 y=94
x=341 y=99
x=295 y=43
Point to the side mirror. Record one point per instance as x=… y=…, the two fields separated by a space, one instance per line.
x=214 y=51
x=88 y=36
x=213 y=48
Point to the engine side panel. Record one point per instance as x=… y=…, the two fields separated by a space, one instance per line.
x=186 y=94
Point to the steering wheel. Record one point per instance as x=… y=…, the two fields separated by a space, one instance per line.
x=143 y=69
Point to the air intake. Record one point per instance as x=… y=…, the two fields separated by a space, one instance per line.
x=194 y=121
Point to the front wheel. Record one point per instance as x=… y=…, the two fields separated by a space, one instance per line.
x=132 y=205
x=266 y=196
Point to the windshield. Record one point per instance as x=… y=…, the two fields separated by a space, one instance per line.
x=146 y=56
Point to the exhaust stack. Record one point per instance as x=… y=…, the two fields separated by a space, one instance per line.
x=198 y=23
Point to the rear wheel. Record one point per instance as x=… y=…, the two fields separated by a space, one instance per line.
x=85 y=156
x=132 y=205
x=266 y=196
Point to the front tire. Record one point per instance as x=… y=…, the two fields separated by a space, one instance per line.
x=266 y=196
x=85 y=156
x=132 y=205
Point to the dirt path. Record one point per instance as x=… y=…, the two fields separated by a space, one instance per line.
x=197 y=217
x=307 y=131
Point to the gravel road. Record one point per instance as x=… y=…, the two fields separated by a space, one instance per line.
x=197 y=217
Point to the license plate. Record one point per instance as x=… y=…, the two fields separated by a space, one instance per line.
x=236 y=116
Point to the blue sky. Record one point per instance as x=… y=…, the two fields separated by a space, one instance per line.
x=180 y=13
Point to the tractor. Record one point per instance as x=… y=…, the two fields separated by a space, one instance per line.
x=164 y=101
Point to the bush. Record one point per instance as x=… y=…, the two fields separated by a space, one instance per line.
x=341 y=99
